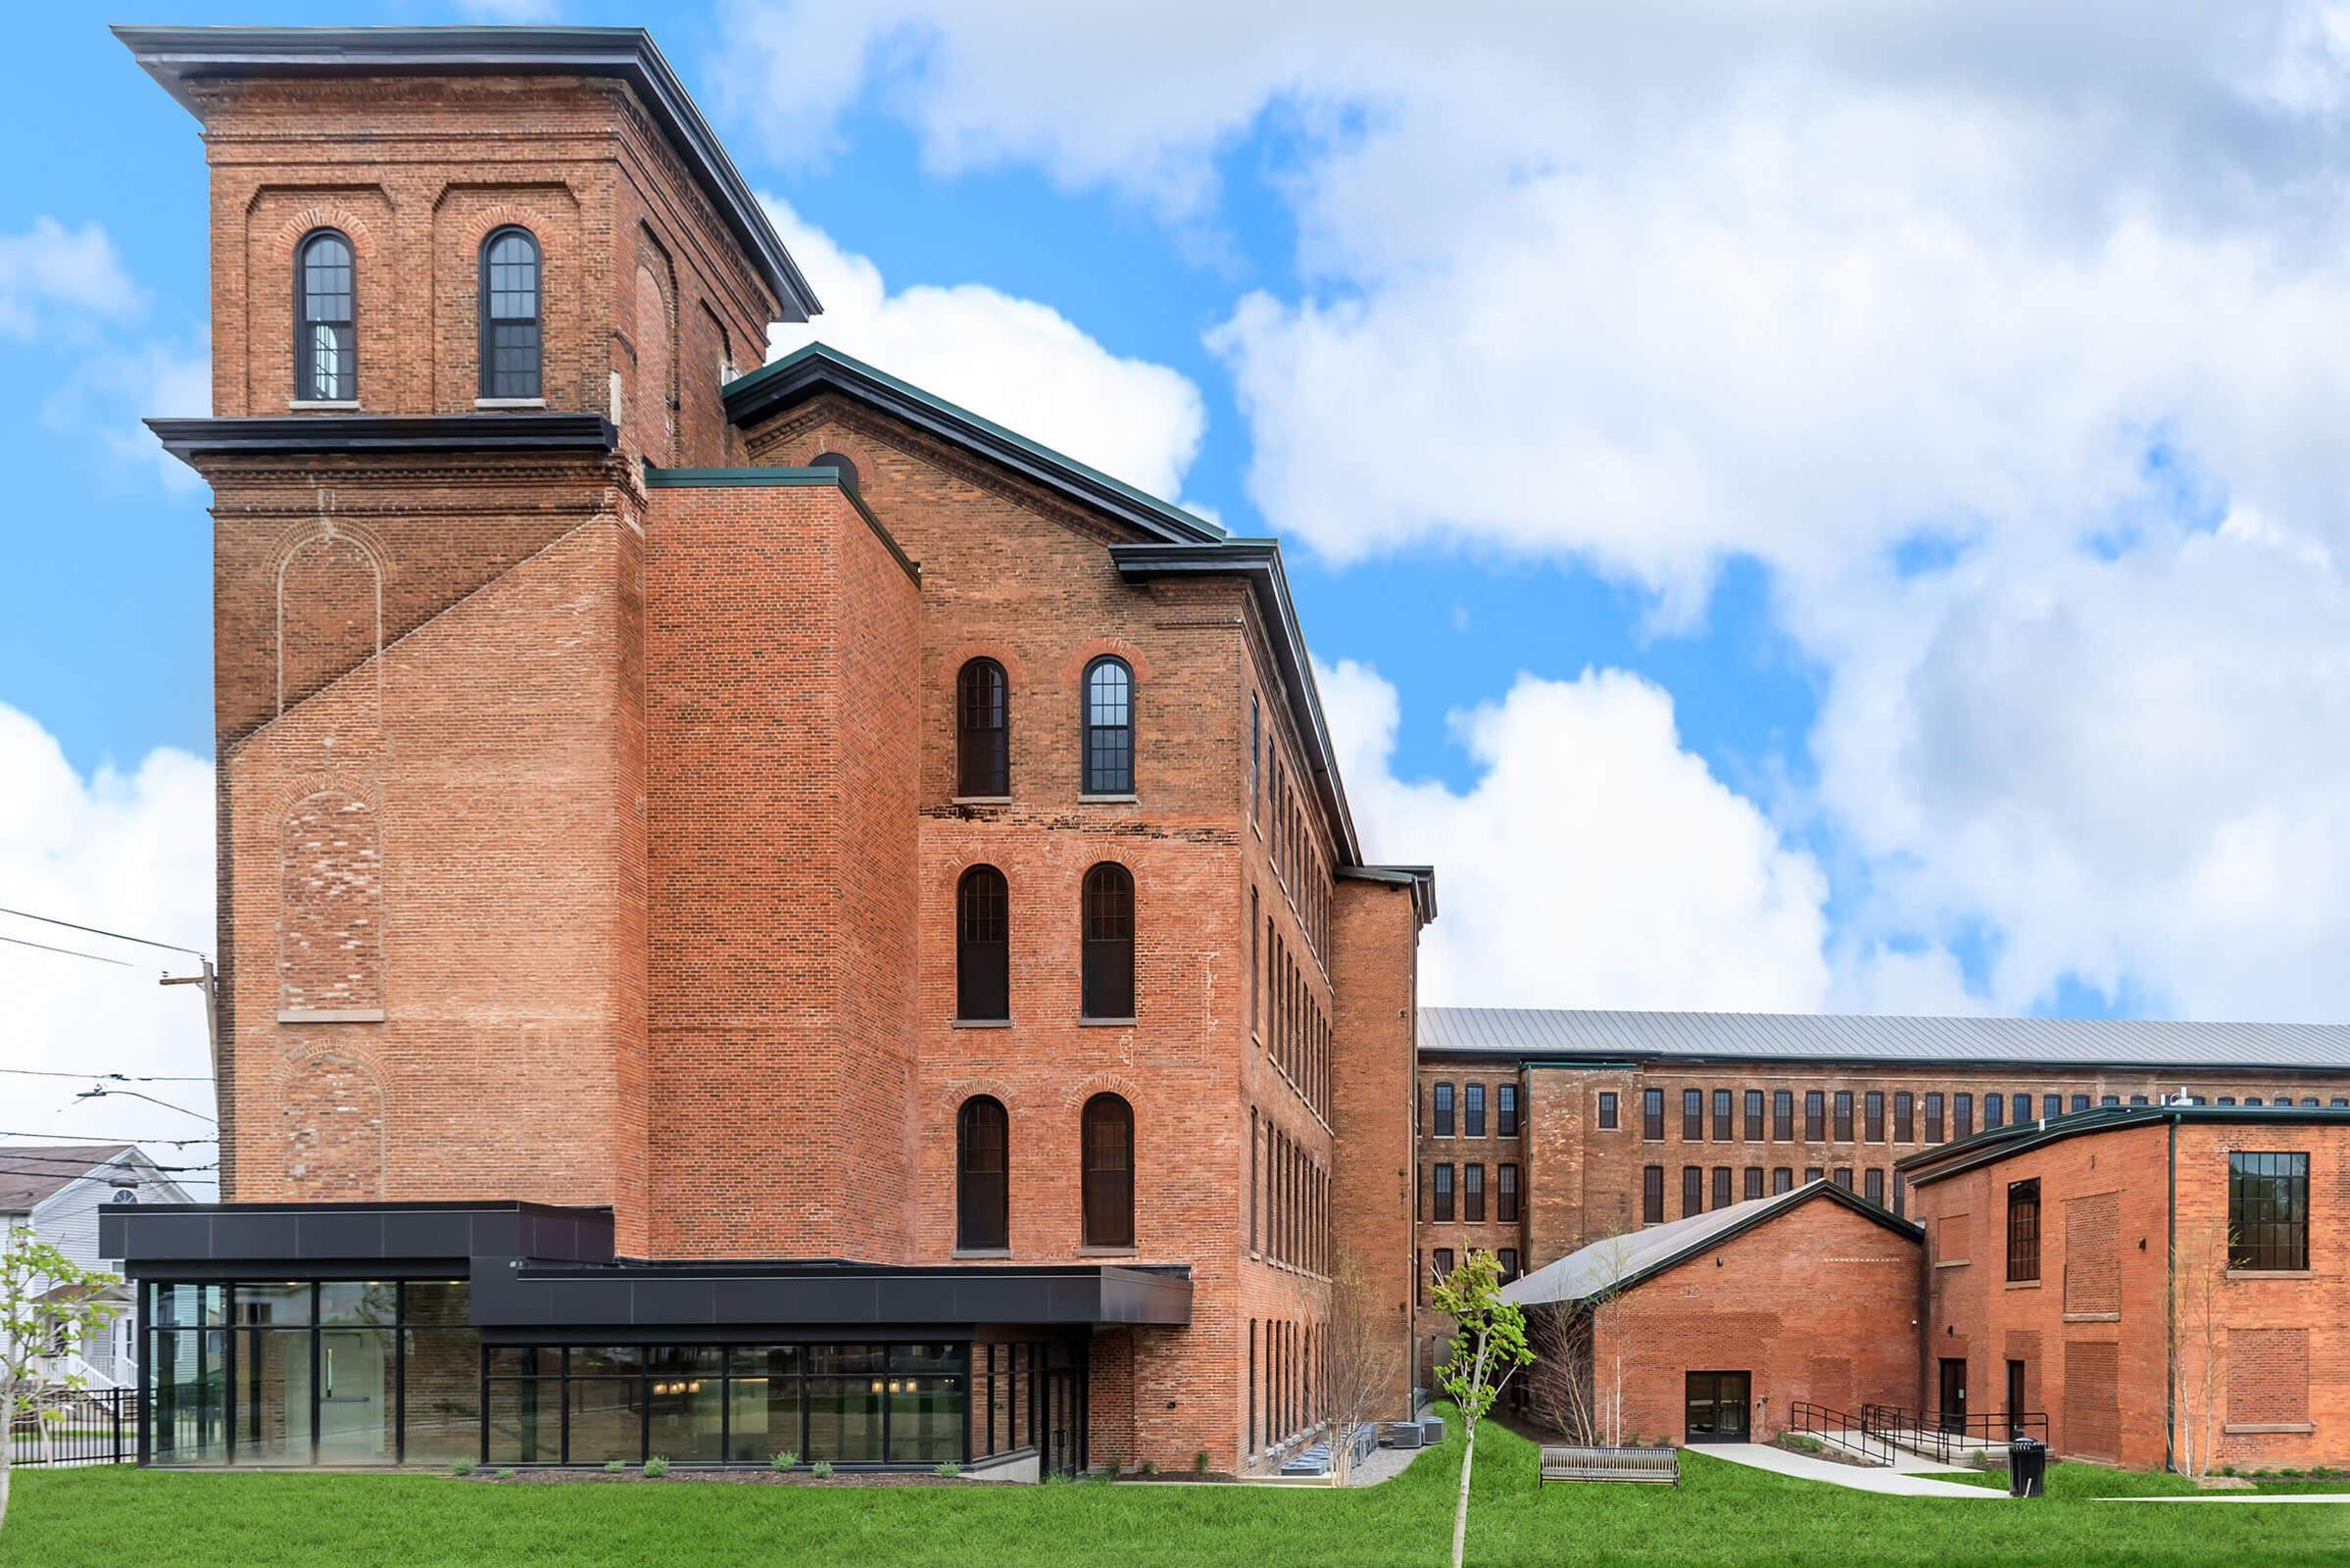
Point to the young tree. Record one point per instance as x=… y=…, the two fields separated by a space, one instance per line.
x=1577 y=1388
x=2200 y=1345
x=47 y=1301
x=1488 y=1349
x=1363 y=1367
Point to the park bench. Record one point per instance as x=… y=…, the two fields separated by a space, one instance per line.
x=1612 y=1464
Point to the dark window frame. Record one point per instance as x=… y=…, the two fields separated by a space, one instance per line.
x=1505 y=1111
x=982 y=731
x=1653 y=1115
x=1753 y=1107
x=982 y=1198
x=1472 y=1193
x=1440 y=1110
x=1815 y=1115
x=1934 y=1117
x=1652 y=1195
x=1905 y=1116
x=982 y=946
x=1693 y=1190
x=1505 y=1192
x=1783 y=1115
x=1106 y=1189
x=2024 y=1232
x=1439 y=1192
x=1872 y=1113
x=1725 y=1127
x=1472 y=1111
x=2268 y=1211
x=1842 y=1113
x=1106 y=746
x=1692 y=1116
x=1607 y=1111
x=1106 y=929
x=346 y=343
x=493 y=377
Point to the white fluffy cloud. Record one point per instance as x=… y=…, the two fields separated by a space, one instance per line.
x=50 y=270
x=1017 y=361
x=1595 y=862
x=129 y=852
x=1650 y=287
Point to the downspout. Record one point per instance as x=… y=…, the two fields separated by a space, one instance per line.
x=2169 y=1414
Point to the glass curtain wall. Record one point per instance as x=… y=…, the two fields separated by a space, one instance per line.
x=307 y=1372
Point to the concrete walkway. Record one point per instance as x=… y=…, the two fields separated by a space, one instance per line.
x=2244 y=1496
x=1803 y=1467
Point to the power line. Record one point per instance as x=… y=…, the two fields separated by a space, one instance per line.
x=108 y=1077
x=101 y=931
x=71 y=953
x=33 y=1156
x=74 y=1138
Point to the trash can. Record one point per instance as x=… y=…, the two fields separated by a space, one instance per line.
x=2028 y=1468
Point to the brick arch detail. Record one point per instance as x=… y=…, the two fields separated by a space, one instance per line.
x=333 y=1109
x=1072 y=670
x=318 y=213
x=330 y=914
x=330 y=612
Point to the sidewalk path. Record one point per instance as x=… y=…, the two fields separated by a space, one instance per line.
x=2244 y=1496
x=1803 y=1467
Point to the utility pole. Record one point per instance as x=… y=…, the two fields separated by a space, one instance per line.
x=209 y=980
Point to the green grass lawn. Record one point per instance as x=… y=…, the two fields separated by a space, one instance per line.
x=1721 y=1514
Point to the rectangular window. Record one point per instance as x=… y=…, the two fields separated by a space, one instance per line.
x=1256 y=958
x=1873 y=1187
x=1755 y=1181
x=1443 y=1261
x=1505 y=1111
x=1783 y=1115
x=1962 y=1116
x=1872 y=1109
x=1472 y=1111
x=1506 y=1193
x=2052 y=1106
x=1994 y=1112
x=1843 y=1177
x=1905 y=1124
x=1782 y=1180
x=1754 y=1115
x=2081 y=1101
x=2268 y=1211
x=1607 y=1109
x=1693 y=1190
x=2023 y=1110
x=1472 y=1193
x=1443 y=1110
x=1652 y=1195
x=1692 y=1116
x=1653 y=1115
x=2139 y=1099
x=1722 y=1128
x=2109 y=1100
x=1815 y=1116
x=1900 y=1195
x=1844 y=1115
x=1440 y=1194
x=1257 y=728
x=2022 y=1231
x=1721 y=1187
x=1934 y=1118
x=1811 y=1174
x=1507 y=1257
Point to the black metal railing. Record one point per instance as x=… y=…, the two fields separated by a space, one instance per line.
x=97 y=1426
x=1840 y=1430
x=1952 y=1437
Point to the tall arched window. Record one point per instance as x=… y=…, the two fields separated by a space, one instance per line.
x=983 y=1181
x=509 y=315
x=982 y=947
x=1107 y=989
x=1109 y=728
x=1108 y=1172
x=325 y=333
x=983 y=730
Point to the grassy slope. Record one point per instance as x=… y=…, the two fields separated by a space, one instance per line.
x=1722 y=1514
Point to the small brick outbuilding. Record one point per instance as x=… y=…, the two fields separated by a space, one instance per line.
x=1712 y=1328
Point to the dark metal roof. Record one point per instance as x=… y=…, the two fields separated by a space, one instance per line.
x=330 y=435
x=1984 y=1149
x=818 y=368
x=1421 y=879
x=1567 y=1035
x=1619 y=1262
x=179 y=56
x=220 y=1241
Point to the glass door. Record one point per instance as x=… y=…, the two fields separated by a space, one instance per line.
x=1717 y=1405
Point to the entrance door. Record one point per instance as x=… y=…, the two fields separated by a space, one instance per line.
x=1717 y=1407
x=2015 y=1395
x=1954 y=1393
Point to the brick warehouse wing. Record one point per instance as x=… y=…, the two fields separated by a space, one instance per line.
x=758 y=912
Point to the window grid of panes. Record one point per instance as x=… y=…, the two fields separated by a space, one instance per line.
x=509 y=342
x=2268 y=1211
x=327 y=353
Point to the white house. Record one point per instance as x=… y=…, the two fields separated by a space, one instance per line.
x=55 y=1191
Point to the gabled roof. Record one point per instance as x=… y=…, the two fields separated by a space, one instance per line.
x=1984 y=1149
x=179 y=56
x=1574 y=1035
x=1622 y=1262
x=818 y=368
x=30 y=1174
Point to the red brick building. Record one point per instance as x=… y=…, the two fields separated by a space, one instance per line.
x=758 y=912
x=2166 y=1284
x=1711 y=1329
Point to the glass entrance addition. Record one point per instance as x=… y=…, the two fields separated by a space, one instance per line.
x=1717 y=1407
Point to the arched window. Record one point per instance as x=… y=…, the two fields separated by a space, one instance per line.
x=983 y=1181
x=325 y=336
x=983 y=730
x=1106 y=990
x=1108 y=1172
x=982 y=947
x=1109 y=728
x=838 y=465
x=509 y=315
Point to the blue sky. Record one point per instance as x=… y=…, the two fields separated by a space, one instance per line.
x=1793 y=511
